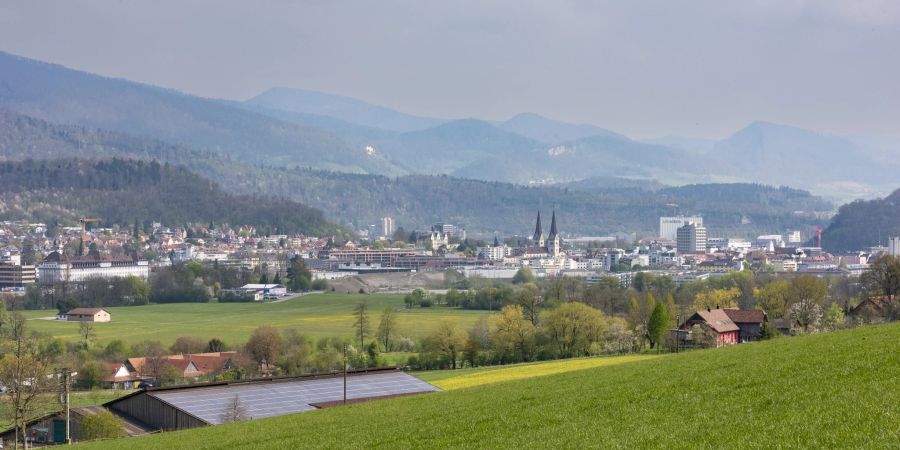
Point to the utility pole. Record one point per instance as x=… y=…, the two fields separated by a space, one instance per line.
x=64 y=399
x=345 y=374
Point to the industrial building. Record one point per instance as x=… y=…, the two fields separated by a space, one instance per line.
x=191 y=406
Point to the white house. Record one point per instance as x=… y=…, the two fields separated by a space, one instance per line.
x=88 y=315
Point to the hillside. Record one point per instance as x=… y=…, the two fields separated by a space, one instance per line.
x=831 y=390
x=609 y=205
x=122 y=191
x=485 y=207
x=340 y=107
x=549 y=131
x=863 y=223
x=57 y=94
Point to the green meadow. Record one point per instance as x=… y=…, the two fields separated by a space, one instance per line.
x=832 y=390
x=316 y=315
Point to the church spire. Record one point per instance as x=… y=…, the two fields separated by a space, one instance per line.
x=538 y=231
x=553 y=232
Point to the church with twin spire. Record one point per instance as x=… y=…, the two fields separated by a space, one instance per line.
x=552 y=244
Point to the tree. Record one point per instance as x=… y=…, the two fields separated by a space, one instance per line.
x=573 y=327
x=833 y=318
x=87 y=333
x=264 y=346
x=234 y=411
x=883 y=276
x=387 y=328
x=639 y=310
x=523 y=275
x=514 y=334
x=447 y=341
x=102 y=425
x=216 y=345
x=658 y=324
x=773 y=298
x=529 y=298
x=717 y=298
x=185 y=345
x=24 y=371
x=298 y=275
x=90 y=373
x=361 y=322
x=807 y=295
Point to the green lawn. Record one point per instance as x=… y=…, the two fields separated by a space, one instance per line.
x=834 y=390
x=318 y=315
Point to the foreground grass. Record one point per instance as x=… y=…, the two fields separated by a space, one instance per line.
x=317 y=315
x=449 y=380
x=836 y=390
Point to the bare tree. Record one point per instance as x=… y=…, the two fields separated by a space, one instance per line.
x=387 y=328
x=24 y=372
x=86 y=331
x=361 y=324
x=235 y=411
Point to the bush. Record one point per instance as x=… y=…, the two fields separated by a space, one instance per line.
x=425 y=303
x=320 y=285
x=235 y=297
x=103 y=425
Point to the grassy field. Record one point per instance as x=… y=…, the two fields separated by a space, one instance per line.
x=318 y=315
x=835 y=390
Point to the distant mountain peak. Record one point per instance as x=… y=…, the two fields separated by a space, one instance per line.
x=551 y=131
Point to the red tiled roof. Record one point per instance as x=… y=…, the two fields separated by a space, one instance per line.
x=746 y=315
x=718 y=320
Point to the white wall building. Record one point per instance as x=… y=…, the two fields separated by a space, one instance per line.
x=894 y=246
x=57 y=269
x=668 y=226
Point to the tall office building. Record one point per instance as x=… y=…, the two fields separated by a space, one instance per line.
x=668 y=226
x=387 y=227
x=691 y=238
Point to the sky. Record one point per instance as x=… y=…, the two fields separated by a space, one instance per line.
x=643 y=68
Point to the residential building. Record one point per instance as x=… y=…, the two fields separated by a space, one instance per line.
x=387 y=227
x=16 y=275
x=717 y=322
x=894 y=246
x=691 y=238
x=750 y=322
x=668 y=226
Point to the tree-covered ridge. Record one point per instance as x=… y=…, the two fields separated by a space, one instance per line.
x=121 y=191
x=862 y=224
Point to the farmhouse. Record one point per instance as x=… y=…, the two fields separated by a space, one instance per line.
x=191 y=406
x=716 y=321
x=750 y=322
x=88 y=315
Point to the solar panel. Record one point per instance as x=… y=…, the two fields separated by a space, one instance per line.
x=268 y=399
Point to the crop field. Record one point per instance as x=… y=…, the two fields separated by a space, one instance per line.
x=449 y=380
x=316 y=315
x=833 y=390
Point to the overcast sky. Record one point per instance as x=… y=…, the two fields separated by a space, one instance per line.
x=644 y=68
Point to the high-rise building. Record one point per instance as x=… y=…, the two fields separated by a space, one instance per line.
x=387 y=227
x=668 y=226
x=894 y=246
x=794 y=237
x=691 y=238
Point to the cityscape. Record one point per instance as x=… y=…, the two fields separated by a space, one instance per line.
x=470 y=225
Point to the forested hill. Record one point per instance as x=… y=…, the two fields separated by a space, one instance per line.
x=484 y=207
x=862 y=224
x=124 y=191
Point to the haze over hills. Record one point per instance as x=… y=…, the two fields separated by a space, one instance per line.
x=339 y=107
x=57 y=94
x=295 y=127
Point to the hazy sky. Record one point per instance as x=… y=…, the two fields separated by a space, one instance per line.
x=644 y=68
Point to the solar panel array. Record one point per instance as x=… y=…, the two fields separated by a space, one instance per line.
x=267 y=399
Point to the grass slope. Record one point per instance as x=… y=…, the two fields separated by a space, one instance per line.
x=822 y=391
x=316 y=315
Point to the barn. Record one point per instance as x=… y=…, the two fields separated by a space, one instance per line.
x=88 y=315
x=191 y=406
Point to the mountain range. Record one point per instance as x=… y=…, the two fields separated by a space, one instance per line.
x=286 y=142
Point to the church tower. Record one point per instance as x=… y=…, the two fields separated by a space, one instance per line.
x=553 y=242
x=538 y=237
